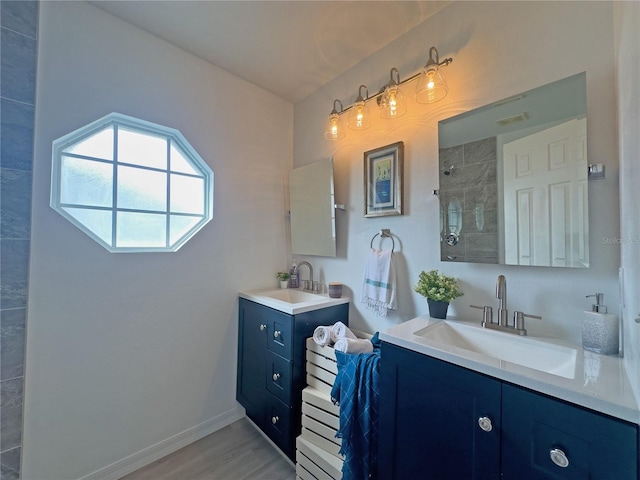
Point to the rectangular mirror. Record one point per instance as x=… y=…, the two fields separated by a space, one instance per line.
x=513 y=179
x=312 y=205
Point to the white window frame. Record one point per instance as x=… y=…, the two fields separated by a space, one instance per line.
x=173 y=137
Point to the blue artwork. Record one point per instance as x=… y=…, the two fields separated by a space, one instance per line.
x=382 y=181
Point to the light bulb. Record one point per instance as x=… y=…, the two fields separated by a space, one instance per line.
x=333 y=129
x=392 y=104
x=359 y=118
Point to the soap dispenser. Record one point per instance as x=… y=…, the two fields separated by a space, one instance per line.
x=600 y=332
x=293 y=275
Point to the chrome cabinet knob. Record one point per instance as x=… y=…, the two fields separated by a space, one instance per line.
x=277 y=333
x=275 y=419
x=263 y=327
x=559 y=457
x=485 y=424
x=275 y=377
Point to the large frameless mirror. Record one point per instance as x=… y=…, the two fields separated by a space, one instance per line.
x=513 y=179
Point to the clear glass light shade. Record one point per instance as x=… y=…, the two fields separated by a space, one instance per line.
x=359 y=118
x=392 y=104
x=333 y=129
x=431 y=86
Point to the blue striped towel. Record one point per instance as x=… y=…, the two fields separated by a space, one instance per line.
x=356 y=390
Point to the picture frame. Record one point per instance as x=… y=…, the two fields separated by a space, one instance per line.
x=383 y=172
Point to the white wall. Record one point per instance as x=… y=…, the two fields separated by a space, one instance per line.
x=127 y=353
x=627 y=19
x=499 y=49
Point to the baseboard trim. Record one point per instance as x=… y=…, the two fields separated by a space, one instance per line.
x=161 y=449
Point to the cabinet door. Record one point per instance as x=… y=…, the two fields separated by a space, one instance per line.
x=278 y=424
x=596 y=447
x=429 y=420
x=252 y=350
x=279 y=381
x=280 y=335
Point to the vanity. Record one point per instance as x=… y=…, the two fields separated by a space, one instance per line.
x=272 y=330
x=525 y=408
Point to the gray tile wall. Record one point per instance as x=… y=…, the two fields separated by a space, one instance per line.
x=473 y=181
x=18 y=24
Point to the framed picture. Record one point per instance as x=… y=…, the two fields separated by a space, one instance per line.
x=383 y=180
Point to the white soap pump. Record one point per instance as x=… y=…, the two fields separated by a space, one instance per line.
x=600 y=332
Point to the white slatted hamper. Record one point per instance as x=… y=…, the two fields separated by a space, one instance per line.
x=317 y=456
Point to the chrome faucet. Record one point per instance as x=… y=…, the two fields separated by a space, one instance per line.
x=503 y=314
x=501 y=295
x=311 y=285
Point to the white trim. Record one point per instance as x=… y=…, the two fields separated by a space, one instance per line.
x=163 y=448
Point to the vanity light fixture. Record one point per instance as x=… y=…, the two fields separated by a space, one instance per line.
x=431 y=87
x=391 y=102
x=359 y=118
x=333 y=129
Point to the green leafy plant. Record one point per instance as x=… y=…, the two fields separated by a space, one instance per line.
x=282 y=276
x=437 y=286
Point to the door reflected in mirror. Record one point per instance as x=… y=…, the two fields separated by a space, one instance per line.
x=518 y=170
x=312 y=205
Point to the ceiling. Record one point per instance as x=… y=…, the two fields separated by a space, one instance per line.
x=289 y=48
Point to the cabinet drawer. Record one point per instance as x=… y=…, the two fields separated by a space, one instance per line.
x=280 y=335
x=278 y=423
x=586 y=444
x=279 y=381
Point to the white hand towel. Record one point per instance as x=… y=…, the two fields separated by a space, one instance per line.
x=379 y=289
x=354 y=345
x=322 y=336
x=340 y=330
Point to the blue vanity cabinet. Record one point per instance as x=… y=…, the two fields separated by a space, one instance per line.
x=429 y=414
x=271 y=366
x=433 y=425
x=545 y=438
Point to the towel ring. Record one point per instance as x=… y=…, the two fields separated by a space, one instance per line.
x=384 y=233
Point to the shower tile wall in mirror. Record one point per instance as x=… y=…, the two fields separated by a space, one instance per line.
x=513 y=180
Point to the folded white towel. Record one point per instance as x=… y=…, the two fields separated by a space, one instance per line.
x=322 y=336
x=340 y=330
x=379 y=288
x=354 y=345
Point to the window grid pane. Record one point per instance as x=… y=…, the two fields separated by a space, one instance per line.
x=140 y=189
x=142 y=148
x=86 y=182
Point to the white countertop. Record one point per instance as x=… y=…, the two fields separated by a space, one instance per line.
x=600 y=381
x=308 y=302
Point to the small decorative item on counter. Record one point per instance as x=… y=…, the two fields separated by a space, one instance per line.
x=335 y=289
x=439 y=290
x=284 y=279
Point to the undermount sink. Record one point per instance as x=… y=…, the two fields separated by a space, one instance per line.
x=292 y=296
x=292 y=301
x=504 y=347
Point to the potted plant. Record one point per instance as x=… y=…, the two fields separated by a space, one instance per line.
x=439 y=290
x=284 y=279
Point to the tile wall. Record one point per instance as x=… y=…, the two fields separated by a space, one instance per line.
x=472 y=180
x=18 y=22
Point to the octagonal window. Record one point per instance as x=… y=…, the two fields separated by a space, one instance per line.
x=131 y=185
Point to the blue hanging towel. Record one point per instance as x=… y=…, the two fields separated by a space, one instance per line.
x=356 y=390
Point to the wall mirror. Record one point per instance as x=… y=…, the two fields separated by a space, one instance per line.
x=513 y=179
x=312 y=205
